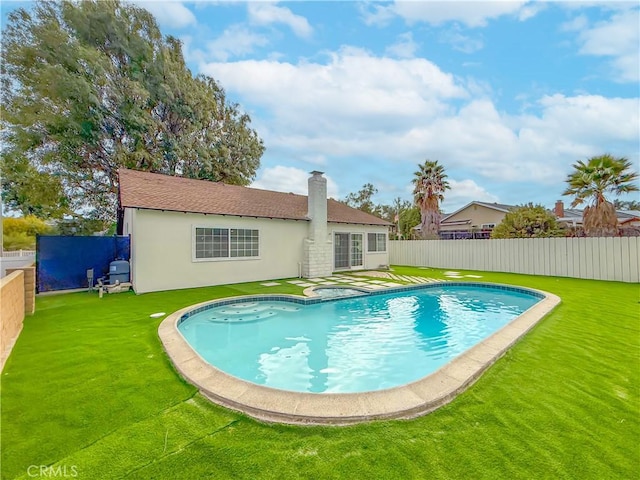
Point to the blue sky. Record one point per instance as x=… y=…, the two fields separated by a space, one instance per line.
x=505 y=95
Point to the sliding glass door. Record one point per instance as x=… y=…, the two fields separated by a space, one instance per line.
x=347 y=250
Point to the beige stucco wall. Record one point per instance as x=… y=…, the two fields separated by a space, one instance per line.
x=478 y=214
x=127 y=221
x=11 y=312
x=162 y=251
x=371 y=259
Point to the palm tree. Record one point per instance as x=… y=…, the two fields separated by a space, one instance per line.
x=429 y=187
x=590 y=181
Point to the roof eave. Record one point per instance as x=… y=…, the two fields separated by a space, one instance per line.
x=271 y=217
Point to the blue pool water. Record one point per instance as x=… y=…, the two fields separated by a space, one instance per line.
x=355 y=344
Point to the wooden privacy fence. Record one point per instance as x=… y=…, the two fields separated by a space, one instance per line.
x=603 y=258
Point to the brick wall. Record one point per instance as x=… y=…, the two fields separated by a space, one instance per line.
x=29 y=287
x=317 y=259
x=12 y=300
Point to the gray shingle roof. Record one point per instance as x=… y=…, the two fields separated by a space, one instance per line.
x=496 y=206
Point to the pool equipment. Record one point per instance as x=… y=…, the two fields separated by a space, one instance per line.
x=118 y=279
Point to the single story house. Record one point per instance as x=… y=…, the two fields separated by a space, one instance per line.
x=478 y=219
x=192 y=233
x=474 y=220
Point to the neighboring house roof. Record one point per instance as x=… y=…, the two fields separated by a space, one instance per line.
x=571 y=215
x=574 y=216
x=496 y=206
x=155 y=191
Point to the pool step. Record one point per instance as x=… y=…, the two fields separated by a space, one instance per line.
x=247 y=317
x=254 y=311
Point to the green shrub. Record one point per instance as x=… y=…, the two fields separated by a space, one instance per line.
x=20 y=233
x=528 y=221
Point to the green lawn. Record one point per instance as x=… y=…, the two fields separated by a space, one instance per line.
x=88 y=386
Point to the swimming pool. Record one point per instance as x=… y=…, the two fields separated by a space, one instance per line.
x=394 y=353
x=346 y=345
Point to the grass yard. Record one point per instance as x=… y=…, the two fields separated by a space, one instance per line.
x=89 y=389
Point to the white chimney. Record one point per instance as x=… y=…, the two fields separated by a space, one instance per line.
x=317 y=206
x=318 y=258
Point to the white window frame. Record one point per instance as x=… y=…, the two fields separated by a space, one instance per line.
x=228 y=258
x=350 y=235
x=386 y=242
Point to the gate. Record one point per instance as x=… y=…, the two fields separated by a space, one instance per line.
x=62 y=261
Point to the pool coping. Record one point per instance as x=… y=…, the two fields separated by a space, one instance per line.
x=406 y=401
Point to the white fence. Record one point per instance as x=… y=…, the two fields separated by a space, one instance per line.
x=19 y=253
x=16 y=259
x=610 y=258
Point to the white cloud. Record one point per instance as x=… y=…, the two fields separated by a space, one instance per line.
x=376 y=14
x=463 y=192
x=267 y=13
x=618 y=37
x=170 y=14
x=460 y=42
x=530 y=10
x=290 y=179
x=353 y=87
x=314 y=159
x=602 y=4
x=470 y=13
x=576 y=24
x=571 y=128
x=405 y=46
x=237 y=40
x=380 y=116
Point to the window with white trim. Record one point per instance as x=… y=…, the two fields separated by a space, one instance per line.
x=212 y=243
x=376 y=242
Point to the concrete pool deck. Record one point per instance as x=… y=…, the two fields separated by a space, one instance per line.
x=406 y=401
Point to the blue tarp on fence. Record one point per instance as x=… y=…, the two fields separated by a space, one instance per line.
x=62 y=262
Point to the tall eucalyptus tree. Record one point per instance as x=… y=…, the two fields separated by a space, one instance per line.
x=90 y=86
